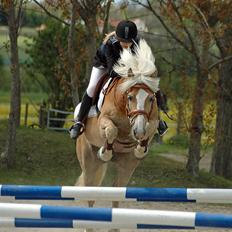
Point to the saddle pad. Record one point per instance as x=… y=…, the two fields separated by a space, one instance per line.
x=102 y=95
x=93 y=111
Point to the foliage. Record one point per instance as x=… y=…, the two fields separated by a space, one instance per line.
x=33 y=18
x=48 y=58
x=3 y=19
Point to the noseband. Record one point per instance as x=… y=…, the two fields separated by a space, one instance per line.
x=134 y=113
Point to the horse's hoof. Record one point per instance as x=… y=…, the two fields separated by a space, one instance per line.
x=104 y=156
x=140 y=153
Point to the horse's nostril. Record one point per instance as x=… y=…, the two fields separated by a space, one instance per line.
x=135 y=131
x=139 y=134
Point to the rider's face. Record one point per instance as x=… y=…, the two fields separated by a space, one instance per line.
x=125 y=45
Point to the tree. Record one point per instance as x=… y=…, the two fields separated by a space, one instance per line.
x=222 y=152
x=88 y=11
x=193 y=22
x=72 y=54
x=49 y=61
x=81 y=11
x=182 y=17
x=14 y=20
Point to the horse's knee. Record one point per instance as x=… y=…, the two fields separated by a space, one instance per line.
x=108 y=130
x=111 y=133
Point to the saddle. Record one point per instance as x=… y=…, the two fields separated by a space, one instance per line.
x=99 y=87
x=100 y=90
x=98 y=98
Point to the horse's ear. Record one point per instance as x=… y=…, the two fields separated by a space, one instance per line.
x=154 y=74
x=130 y=73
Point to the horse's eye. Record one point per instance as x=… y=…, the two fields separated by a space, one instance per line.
x=129 y=97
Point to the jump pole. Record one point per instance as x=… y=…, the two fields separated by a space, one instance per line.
x=131 y=217
x=30 y=192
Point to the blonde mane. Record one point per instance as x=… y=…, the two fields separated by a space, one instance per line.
x=138 y=68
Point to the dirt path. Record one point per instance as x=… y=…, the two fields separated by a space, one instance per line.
x=204 y=162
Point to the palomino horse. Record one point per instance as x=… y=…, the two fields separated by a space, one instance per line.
x=127 y=123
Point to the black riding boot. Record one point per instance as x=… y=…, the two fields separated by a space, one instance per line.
x=162 y=105
x=78 y=127
x=162 y=128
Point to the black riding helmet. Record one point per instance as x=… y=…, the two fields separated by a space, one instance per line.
x=126 y=31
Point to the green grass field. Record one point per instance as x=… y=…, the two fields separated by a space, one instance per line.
x=33 y=99
x=48 y=158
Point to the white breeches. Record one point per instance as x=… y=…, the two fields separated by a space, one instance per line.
x=95 y=77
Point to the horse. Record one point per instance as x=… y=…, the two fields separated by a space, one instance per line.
x=126 y=124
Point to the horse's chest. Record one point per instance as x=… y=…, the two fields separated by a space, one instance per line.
x=123 y=126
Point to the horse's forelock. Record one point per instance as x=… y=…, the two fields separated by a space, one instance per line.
x=151 y=83
x=142 y=65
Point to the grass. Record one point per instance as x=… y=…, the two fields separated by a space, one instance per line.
x=33 y=99
x=48 y=158
x=41 y=158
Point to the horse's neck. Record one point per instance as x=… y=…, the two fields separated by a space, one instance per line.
x=119 y=98
x=115 y=106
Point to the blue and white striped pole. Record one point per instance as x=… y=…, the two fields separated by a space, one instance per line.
x=58 y=223
x=133 y=217
x=116 y=194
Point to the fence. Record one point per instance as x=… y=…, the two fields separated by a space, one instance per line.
x=115 y=217
x=116 y=194
x=45 y=216
x=56 y=119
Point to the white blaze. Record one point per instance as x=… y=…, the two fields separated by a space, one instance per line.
x=140 y=120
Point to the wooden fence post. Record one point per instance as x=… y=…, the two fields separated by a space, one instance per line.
x=26 y=114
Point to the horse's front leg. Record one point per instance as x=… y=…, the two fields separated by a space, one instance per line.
x=110 y=132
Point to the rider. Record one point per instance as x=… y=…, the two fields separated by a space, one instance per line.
x=106 y=56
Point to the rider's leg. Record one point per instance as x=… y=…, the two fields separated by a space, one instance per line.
x=86 y=103
x=162 y=105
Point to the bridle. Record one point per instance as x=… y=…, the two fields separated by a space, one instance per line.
x=134 y=113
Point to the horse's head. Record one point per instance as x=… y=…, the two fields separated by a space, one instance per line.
x=139 y=85
x=141 y=109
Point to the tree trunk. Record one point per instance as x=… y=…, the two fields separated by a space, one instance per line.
x=91 y=27
x=106 y=19
x=14 y=116
x=72 y=57
x=197 y=127
x=222 y=152
x=180 y=118
x=15 y=72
